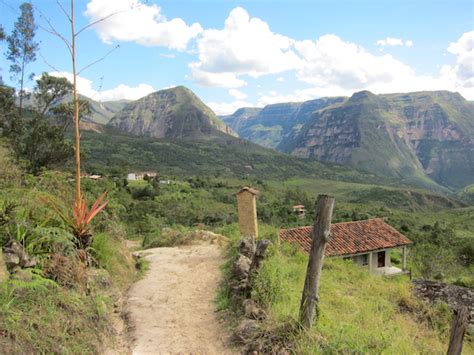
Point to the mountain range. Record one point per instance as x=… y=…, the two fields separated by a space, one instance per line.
x=422 y=136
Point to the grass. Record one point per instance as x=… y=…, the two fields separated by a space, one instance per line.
x=360 y=312
x=41 y=317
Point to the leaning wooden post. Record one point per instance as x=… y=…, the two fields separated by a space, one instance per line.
x=321 y=235
x=458 y=328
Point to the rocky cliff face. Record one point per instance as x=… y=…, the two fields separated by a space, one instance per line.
x=171 y=113
x=420 y=137
x=275 y=123
x=405 y=135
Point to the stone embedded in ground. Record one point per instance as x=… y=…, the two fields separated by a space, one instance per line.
x=15 y=255
x=247 y=247
x=253 y=311
x=247 y=331
x=3 y=268
x=242 y=267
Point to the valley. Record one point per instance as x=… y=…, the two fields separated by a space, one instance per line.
x=304 y=186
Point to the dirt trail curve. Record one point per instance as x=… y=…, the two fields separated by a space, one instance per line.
x=172 y=309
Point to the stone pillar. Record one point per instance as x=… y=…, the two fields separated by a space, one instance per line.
x=247 y=208
x=404 y=258
x=369 y=260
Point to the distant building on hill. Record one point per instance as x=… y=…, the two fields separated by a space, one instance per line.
x=141 y=175
x=367 y=243
x=299 y=210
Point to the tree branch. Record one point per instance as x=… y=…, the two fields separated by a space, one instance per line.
x=52 y=30
x=64 y=10
x=98 y=60
x=96 y=22
x=47 y=63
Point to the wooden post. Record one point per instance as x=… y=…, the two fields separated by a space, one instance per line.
x=309 y=307
x=404 y=258
x=458 y=328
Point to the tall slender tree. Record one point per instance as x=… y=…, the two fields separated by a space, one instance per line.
x=22 y=48
x=2 y=38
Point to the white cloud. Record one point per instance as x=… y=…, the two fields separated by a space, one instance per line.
x=237 y=94
x=168 y=55
x=227 y=108
x=280 y=79
x=463 y=71
x=120 y=92
x=224 y=80
x=393 y=42
x=245 y=46
x=332 y=61
x=134 y=21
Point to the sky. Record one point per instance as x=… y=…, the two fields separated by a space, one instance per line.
x=236 y=54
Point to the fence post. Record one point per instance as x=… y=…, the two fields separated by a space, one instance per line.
x=458 y=328
x=309 y=307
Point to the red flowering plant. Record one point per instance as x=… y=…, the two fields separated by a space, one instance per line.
x=79 y=220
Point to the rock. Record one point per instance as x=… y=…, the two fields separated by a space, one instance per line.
x=15 y=255
x=247 y=247
x=454 y=296
x=253 y=311
x=11 y=260
x=247 y=331
x=242 y=267
x=3 y=269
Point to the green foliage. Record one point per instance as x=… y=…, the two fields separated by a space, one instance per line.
x=43 y=145
x=360 y=312
x=40 y=317
x=49 y=90
x=166 y=237
x=110 y=253
x=37 y=140
x=22 y=47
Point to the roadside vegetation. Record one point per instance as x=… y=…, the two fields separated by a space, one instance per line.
x=62 y=304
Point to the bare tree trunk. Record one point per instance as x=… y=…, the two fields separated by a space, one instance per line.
x=458 y=328
x=77 y=147
x=309 y=307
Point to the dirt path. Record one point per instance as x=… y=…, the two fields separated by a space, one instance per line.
x=172 y=310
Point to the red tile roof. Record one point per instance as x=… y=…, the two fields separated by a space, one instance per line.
x=350 y=237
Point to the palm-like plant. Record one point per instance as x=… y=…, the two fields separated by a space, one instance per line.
x=80 y=217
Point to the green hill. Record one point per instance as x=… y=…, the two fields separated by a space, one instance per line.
x=170 y=113
x=115 y=151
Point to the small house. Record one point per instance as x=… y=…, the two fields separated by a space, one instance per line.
x=368 y=243
x=141 y=175
x=299 y=211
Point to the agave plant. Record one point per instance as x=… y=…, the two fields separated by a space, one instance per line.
x=80 y=218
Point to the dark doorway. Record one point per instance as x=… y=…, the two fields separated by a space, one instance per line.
x=381 y=259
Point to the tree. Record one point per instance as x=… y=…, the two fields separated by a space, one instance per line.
x=44 y=145
x=7 y=109
x=2 y=38
x=49 y=91
x=22 y=48
x=63 y=112
x=39 y=140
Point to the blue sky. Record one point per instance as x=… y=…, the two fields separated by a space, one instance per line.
x=252 y=53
